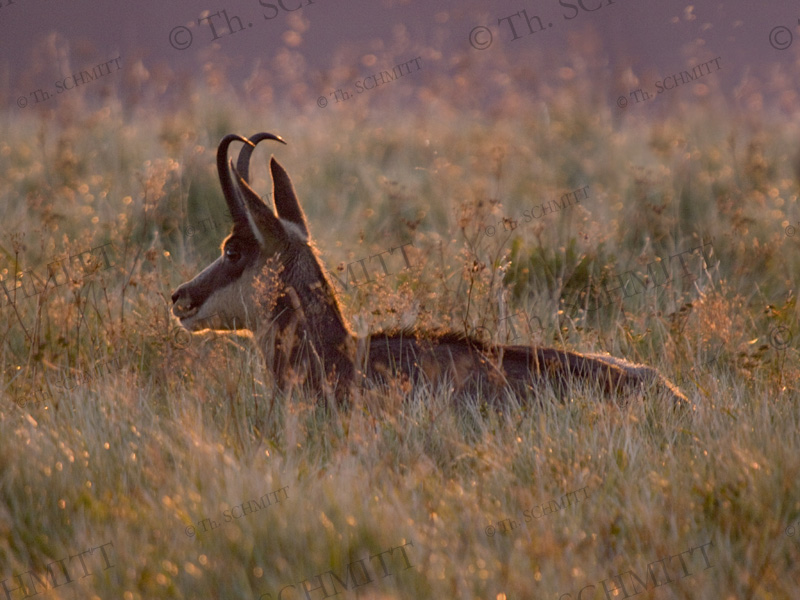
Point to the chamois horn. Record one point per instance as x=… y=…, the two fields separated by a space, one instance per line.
x=225 y=179
x=243 y=163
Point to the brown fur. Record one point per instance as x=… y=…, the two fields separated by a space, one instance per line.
x=270 y=280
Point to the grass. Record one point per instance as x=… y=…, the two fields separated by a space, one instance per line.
x=181 y=430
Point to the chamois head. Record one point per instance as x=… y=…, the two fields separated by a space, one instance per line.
x=268 y=279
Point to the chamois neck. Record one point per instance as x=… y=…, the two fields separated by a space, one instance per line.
x=308 y=332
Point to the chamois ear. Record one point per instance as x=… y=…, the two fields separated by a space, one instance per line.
x=285 y=198
x=265 y=226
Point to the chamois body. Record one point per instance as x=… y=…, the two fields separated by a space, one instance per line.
x=470 y=366
x=270 y=281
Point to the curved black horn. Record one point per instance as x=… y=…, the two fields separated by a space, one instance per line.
x=243 y=163
x=225 y=179
x=263 y=222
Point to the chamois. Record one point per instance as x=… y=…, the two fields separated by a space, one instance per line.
x=270 y=280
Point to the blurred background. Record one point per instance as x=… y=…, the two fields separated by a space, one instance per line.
x=290 y=53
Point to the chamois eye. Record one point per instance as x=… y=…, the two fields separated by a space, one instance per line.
x=232 y=254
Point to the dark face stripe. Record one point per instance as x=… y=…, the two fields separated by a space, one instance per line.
x=223 y=273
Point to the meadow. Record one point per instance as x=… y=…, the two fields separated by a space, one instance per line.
x=138 y=460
